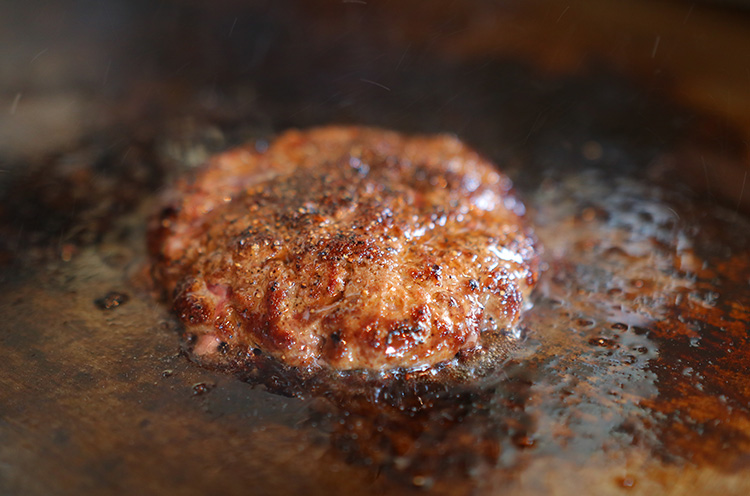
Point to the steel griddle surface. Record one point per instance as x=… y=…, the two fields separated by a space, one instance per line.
x=631 y=375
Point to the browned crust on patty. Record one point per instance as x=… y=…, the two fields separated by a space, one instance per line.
x=344 y=247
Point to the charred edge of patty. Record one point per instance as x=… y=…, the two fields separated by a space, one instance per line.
x=396 y=387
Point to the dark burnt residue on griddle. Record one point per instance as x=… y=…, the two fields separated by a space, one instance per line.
x=54 y=204
x=111 y=300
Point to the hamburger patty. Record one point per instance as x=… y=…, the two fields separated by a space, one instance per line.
x=346 y=248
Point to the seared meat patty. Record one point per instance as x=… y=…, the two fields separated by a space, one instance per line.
x=344 y=247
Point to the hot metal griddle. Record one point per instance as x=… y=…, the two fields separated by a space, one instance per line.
x=631 y=371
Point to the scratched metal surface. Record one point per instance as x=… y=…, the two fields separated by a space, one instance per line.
x=630 y=377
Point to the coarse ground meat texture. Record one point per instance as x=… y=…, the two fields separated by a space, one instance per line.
x=343 y=248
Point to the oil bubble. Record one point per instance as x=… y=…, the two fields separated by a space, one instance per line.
x=201 y=388
x=603 y=342
x=111 y=300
